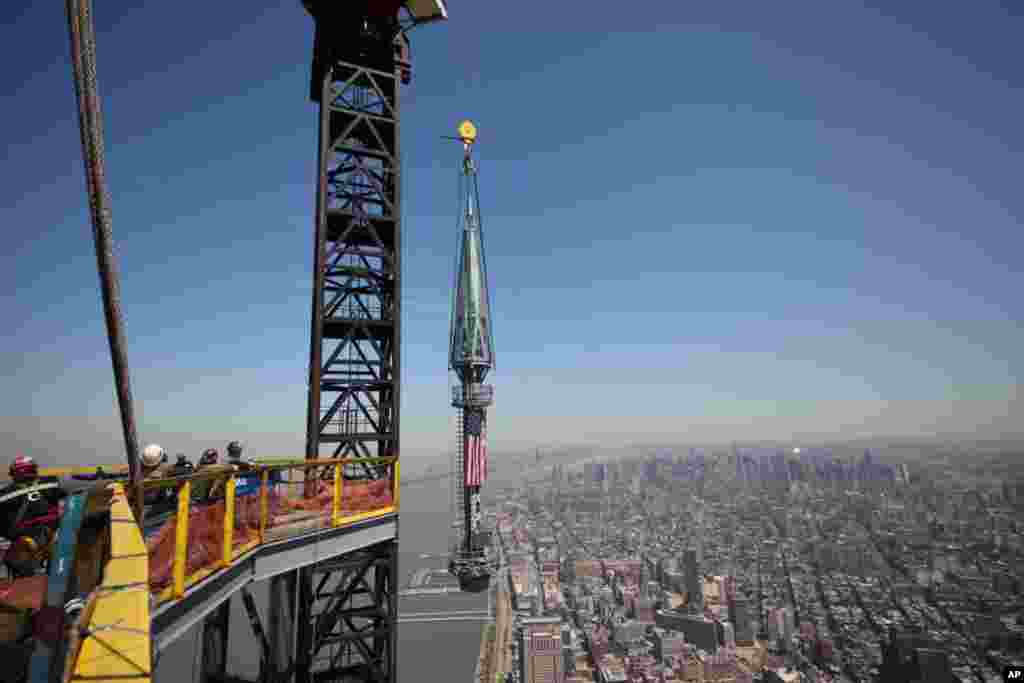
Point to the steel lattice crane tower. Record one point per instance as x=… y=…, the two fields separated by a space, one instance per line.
x=347 y=611
x=360 y=58
x=471 y=357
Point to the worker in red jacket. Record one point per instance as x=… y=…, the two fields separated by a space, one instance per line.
x=29 y=515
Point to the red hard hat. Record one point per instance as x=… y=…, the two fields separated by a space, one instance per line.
x=23 y=467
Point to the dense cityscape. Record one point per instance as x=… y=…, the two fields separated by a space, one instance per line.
x=760 y=566
x=798 y=228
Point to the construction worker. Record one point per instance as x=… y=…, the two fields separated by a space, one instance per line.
x=247 y=482
x=182 y=468
x=235 y=457
x=153 y=467
x=208 y=458
x=210 y=488
x=153 y=459
x=29 y=515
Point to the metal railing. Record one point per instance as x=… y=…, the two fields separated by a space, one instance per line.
x=212 y=518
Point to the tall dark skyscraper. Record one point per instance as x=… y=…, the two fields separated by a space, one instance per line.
x=694 y=584
x=739 y=615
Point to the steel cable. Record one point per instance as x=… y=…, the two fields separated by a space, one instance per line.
x=83 y=60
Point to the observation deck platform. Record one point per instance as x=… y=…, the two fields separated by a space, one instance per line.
x=204 y=538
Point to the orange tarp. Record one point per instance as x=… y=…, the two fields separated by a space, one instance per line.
x=206 y=524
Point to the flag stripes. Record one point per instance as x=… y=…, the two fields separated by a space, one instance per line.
x=475 y=449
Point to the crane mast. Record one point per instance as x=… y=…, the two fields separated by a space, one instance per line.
x=360 y=61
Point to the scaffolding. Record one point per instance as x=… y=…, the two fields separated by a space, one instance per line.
x=457 y=485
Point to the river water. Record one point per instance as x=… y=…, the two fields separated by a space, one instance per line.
x=432 y=652
x=427 y=652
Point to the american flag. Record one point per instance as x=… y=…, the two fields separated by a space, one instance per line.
x=475 y=449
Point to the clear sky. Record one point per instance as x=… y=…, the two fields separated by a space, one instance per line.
x=703 y=220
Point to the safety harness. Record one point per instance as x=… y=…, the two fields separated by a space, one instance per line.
x=27 y=544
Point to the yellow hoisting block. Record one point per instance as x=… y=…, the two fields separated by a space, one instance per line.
x=467 y=131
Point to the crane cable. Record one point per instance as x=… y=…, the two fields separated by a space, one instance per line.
x=83 y=61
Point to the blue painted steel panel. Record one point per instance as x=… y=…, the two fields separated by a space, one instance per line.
x=48 y=657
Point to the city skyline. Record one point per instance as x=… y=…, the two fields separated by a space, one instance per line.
x=796 y=238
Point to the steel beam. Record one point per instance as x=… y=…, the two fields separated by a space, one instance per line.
x=304 y=627
x=327 y=619
x=392 y=602
x=347 y=609
x=216 y=628
x=266 y=658
x=281 y=615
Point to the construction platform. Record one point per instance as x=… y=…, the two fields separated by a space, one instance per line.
x=130 y=593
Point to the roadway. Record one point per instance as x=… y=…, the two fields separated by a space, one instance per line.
x=450 y=615
x=497 y=658
x=439 y=590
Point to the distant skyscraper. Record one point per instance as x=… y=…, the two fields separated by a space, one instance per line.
x=650 y=470
x=739 y=615
x=728 y=635
x=729 y=586
x=596 y=474
x=644 y=576
x=788 y=625
x=700 y=632
x=694 y=585
x=542 y=660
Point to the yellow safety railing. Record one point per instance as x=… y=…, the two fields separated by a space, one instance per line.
x=221 y=514
x=111 y=639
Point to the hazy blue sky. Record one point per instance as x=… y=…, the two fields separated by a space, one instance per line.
x=716 y=220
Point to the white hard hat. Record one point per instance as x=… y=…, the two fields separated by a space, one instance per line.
x=152 y=455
